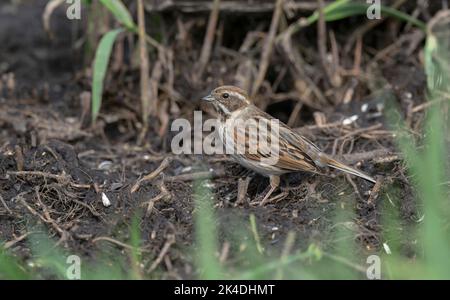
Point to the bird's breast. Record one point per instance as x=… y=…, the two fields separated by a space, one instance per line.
x=232 y=133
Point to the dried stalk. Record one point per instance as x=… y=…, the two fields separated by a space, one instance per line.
x=145 y=91
x=164 y=164
x=231 y=6
x=209 y=39
x=268 y=46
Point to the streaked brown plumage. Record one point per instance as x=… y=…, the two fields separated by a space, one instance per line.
x=295 y=152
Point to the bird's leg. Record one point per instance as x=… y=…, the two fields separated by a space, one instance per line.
x=274 y=183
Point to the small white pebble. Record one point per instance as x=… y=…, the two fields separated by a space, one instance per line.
x=187 y=169
x=105 y=200
x=386 y=248
x=329 y=57
x=105 y=165
x=364 y=107
x=350 y=120
x=71 y=120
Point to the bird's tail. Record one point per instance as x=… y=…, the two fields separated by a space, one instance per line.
x=342 y=167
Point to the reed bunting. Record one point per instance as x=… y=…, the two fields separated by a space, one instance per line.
x=292 y=151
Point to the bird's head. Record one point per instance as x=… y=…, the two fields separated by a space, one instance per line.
x=228 y=99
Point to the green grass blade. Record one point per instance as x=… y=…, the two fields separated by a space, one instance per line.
x=136 y=257
x=254 y=229
x=428 y=171
x=99 y=69
x=121 y=13
x=437 y=54
x=271 y=265
x=328 y=11
x=434 y=232
x=343 y=9
x=392 y=12
x=428 y=165
x=206 y=233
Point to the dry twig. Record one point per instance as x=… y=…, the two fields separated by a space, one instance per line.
x=145 y=91
x=169 y=242
x=242 y=190
x=353 y=184
x=5 y=205
x=9 y=244
x=63 y=178
x=152 y=175
x=46 y=218
x=375 y=191
x=118 y=243
x=49 y=8
x=164 y=193
x=209 y=39
x=268 y=45
x=196 y=176
x=231 y=6
x=19 y=158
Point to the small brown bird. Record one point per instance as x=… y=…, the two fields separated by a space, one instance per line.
x=294 y=152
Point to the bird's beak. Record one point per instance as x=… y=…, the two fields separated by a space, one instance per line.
x=208 y=98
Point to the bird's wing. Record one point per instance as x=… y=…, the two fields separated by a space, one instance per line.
x=279 y=145
x=296 y=152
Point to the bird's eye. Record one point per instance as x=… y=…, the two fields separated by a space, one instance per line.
x=225 y=95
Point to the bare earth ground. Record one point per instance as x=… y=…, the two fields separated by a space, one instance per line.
x=54 y=167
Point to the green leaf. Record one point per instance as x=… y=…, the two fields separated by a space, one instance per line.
x=259 y=247
x=206 y=232
x=344 y=8
x=121 y=13
x=99 y=70
x=437 y=54
x=430 y=66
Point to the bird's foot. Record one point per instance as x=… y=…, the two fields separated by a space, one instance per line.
x=267 y=199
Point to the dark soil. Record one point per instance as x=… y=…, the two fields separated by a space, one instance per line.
x=54 y=166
